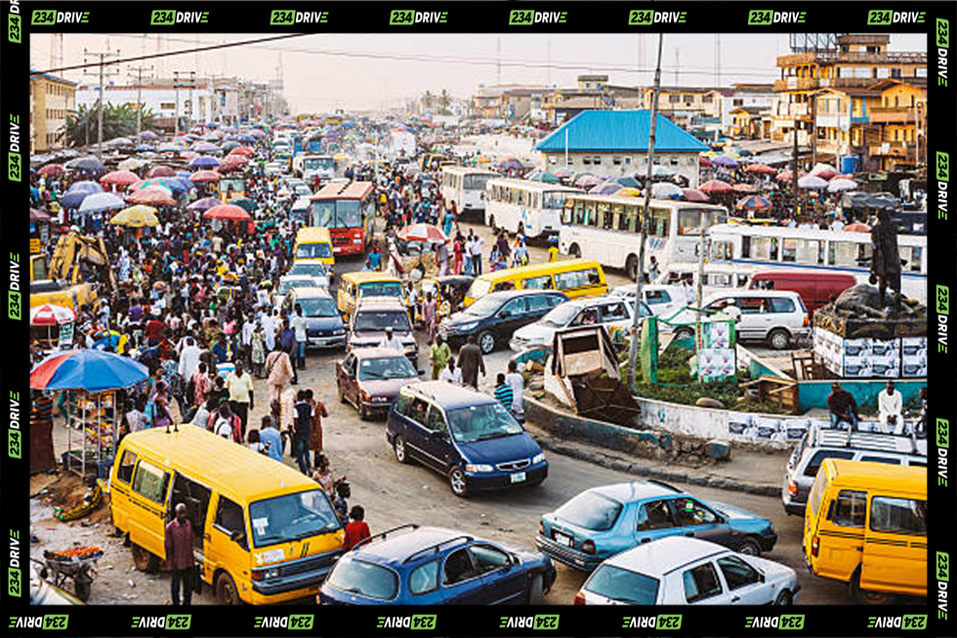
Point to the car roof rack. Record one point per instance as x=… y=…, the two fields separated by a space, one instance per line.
x=870 y=441
x=383 y=535
x=435 y=548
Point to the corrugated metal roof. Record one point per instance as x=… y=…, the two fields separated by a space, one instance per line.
x=342 y=190
x=620 y=131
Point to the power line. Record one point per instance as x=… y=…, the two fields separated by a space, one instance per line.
x=153 y=56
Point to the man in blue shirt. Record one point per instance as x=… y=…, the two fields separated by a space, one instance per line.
x=270 y=437
x=375 y=257
x=287 y=341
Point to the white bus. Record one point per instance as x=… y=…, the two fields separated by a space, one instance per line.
x=775 y=247
x=465 y=185
x=535 y=208
x=604 y=228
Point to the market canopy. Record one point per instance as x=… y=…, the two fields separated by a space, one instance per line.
x=100 y=202
x=51 y=315
x=716 y=186
x=120 y=178
x=228 y=212
x=422 y=232
x=136 y=217
x=204 y=204
x=90 y=370
x=152 y=196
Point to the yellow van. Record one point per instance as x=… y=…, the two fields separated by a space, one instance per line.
x=262 y=532
x=370 y=284
x=574 y=277
x=866 y=524
x=314 y=242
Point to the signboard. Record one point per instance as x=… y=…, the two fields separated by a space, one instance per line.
x=66 y=336
x=34 y=245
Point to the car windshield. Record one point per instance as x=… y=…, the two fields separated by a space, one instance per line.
x=484 y=307
x=559 y=316
x=379 y=320
x=385 y=368
x=292 y=516
x=315 y=269
x=481 y=422
x=623 y=585
x=590 y=510
x=381 y=289
x=313 y=251
x=288 y=284
x=363 y=578
x=318 y=307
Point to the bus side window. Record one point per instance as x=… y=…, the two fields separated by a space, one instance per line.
x=850 y=508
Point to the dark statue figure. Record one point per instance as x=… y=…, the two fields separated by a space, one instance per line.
x=886 y=261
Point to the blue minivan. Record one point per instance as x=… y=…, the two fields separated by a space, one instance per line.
x=465 y=435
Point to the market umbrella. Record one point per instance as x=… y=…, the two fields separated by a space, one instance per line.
x=100 y=202
x=841 y=185
x=760 y=168
x=204 y=161
x=131 y=164
x=661 y=171
x=628 y=191
x=543 y=176
x=88 y=163
x=665 y=190
x=230 y=146
x=227 y=212
x=151 y=196
x=605 y=188
x=245 y=203
x=883 y=200
x=857 y=227
x=51 y=315
x=150 y=183
x=119 y=178
x=628 y=182
x=422 y=232
x=724 y=160
x=715 y=187
x=170 y=148
x=242 y=150
x=510 y=164
x=119 y=142
x=203 y=204
x=204 y=177
x=812 y=183
x=206 y=147
x=481 y=159
x=52 y=169
x=90 y=370
x=249 y=138
x=785 y=175
x=39 y=215
x=824 y=171
x=745 y=188
x=148 y=135
x=705 y=161
x=177 y=184
x=753 y=202
x=694 y=195
x=587 y=181
x=136 y=217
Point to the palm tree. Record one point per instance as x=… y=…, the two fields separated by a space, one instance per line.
x=118 y=121
x=445 y=100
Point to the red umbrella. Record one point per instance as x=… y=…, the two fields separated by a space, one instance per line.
x=694 y=195
x=745 y=188
x=705 y=162
x=202 y=177
x=785 y=176
x=120 y=178
x=52 y=169
x=161 y=171
x=228 y=212
x=151 y=196
x=51 y=315
x=760 y=168
x=715 y=187
x=242 y=150
x=39 y=215
x=235 y=159
x=422 y=232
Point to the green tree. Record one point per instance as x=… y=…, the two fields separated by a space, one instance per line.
x=118 y=121
x=445 y=101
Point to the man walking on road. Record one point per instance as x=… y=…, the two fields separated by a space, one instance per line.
x=471 y=362
x=517 y=382
x=179 y=555
x=240 y=386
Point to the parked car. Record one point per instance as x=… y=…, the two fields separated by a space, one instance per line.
x=465 y=435
x=310 y=268
x=370 y=379
x=418 y=565
x=613 y=312
x=373 y=316
x=687 y=571
x=777 y=317
x=494 y=317
x=664 y=301
x=606 y=520
x=816 y=289
x=324 y=327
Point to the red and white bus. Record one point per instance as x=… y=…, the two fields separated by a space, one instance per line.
x=347 y=209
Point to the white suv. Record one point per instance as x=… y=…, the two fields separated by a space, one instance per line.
x=609 y=311
x=776 y=316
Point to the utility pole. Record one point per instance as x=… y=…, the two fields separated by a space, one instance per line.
x=794 y=168
x=186 y=83
x=139 y=96
x=643 y=221
x=104 y=56
x=813 y=97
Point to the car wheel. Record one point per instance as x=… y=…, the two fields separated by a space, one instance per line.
x=749 y=547
x=865 y=597
x=779 y=339
x=784 y=598
x=486 y=342
x=401 y=454
x=144 y=560
x=536 y=595
x=226 y=593
x=631 y=267
x=457 y=482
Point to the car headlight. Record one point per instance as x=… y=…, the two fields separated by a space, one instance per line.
x=411 y=349
x=538 y=458
x=466 y=327
x=339 y=331
x=270 y=573
x=478 y=468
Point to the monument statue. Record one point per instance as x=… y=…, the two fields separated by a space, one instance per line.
x=886 y=260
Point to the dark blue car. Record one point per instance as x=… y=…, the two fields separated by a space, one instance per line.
x=413 y=565
x=494 y=317
x=324 y=327
x=606 y=520
x=465 y=435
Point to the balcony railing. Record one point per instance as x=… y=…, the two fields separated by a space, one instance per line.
x=857 y=57
x=892 y=114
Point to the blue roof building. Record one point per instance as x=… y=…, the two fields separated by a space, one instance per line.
x=615 y=143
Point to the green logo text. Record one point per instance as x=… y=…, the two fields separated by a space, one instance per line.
x=527 y=16
x=775 y=17
x=405 y=18
x=167 y=17
x=645 y=17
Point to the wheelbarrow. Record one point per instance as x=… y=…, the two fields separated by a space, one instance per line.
x=78 y=564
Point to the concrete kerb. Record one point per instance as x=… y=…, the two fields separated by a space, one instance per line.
x=564 y=426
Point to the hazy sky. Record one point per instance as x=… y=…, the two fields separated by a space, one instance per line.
x=322 y=72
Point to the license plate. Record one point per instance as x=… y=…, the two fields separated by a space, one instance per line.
x=518 y=477
x=563 y=539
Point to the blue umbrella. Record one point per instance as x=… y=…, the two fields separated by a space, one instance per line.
x=145 y=147
x=185 y=174
x=148 y=135
x=204 y=161
x=724 y=160
x=178 y=184
x=75 y=195
x=246 y=138
x=100 y=202
x=86 y=186
x=90 y=370
x=170 y=148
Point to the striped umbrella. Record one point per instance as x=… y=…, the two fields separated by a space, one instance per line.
x=753 y=202
x=51 y=315
x=149 y=183
x=90 y=370
x=422 y=232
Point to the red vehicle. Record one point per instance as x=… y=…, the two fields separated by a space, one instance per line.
x=347 y=209
x=816 y=288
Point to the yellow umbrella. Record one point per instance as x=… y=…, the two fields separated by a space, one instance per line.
x=629 y=191
x=136 y=217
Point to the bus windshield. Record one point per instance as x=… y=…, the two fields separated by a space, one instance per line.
x=476 y=182
x=318 y=163
x=348 y=214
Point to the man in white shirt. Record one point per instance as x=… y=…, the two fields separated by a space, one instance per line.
x=477 y=246
x=391 y=341
x=890 y=406
x=517 y=382
x=299 y=323
x=269 y=328
x=189 y=359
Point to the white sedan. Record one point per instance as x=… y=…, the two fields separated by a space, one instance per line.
x=615 y=313
x=677 y=570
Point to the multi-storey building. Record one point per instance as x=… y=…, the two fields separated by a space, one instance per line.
x=52 y=99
